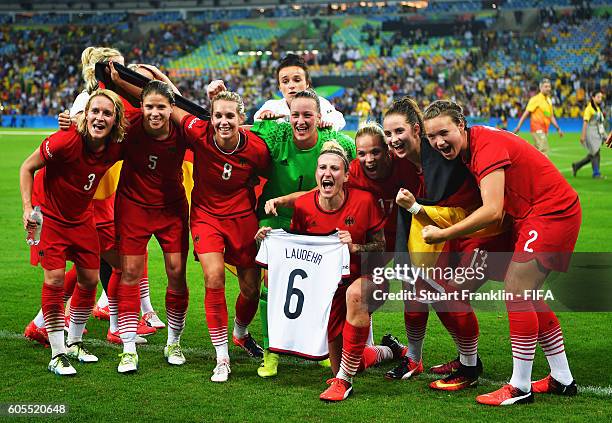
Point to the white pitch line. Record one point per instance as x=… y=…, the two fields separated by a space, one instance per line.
x=603 y=164
x=26 y=132
x=599 y=391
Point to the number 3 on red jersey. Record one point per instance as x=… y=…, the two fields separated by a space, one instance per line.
x=91 y=177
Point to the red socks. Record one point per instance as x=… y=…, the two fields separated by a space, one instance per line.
x=353 y=344
x=176 y=311
x=245 y=310
x=53 y=307
x=70 y=280
x=216 y=315
x=129 y=309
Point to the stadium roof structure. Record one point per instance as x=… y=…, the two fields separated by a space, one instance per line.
x=154 y=5
x=365 y=6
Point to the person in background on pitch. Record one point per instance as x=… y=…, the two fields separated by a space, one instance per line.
x=593 y=134
x=540 y=107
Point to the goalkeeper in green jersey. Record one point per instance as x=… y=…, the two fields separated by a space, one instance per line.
x=294 y=148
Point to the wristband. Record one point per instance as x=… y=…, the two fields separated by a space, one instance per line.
x=415 y=208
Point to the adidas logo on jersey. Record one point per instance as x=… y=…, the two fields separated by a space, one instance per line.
x=193 y=122
x=48 y=150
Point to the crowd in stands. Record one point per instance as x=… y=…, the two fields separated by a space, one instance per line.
x=40 y=67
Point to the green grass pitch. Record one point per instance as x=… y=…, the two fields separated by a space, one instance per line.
x=160 y=392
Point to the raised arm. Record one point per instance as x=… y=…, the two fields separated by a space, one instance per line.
x=177 y=113
x=132 y=90
x=406 y=200
x=160 y=76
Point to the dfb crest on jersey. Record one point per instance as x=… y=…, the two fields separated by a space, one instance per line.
x=349 y=221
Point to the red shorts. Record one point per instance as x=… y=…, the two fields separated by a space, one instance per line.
x=234 y=237
x=60 y=242
x=106 y=234
x=135 y=224
x=469 y=261
x=491 y=255
x=549 y=239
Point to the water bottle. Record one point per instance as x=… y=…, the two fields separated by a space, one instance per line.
x=34 y=234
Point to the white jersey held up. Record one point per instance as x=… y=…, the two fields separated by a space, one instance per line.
x=328 y=112
x=303 y=274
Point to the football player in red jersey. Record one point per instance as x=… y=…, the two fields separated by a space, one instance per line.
x=517 y=179
x=226 y=158
x=444 y=185
x=360 y=222
x=151 y=200
x=223 y=220
x=74 y=161
x=381 y=173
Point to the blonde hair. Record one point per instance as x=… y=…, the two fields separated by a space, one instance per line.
x=332 y=147
x=119 y=127
x=229 y=96
x=89 y=58
x=373 y=129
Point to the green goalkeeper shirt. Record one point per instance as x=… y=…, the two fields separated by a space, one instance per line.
x=292 y=169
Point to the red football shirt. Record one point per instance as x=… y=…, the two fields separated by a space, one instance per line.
x=72 y=174
x=360 y=214
x=152 y=172
x=533 y=185
x=403 y=174
x=221 y=178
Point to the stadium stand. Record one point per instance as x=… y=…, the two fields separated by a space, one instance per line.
x=570 y=46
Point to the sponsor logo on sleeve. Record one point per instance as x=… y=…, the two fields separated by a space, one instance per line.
x=48 y=150
x=193 y=122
